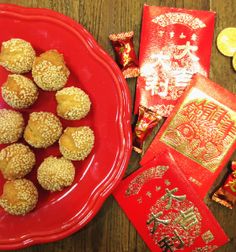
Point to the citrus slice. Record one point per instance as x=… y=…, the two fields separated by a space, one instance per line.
x=234 y=61
x=226 y=41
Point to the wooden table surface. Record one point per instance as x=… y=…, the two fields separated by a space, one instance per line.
x=110 y=230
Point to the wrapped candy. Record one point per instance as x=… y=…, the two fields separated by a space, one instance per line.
x=124 y=48
x=147 y=120
x=226 y=194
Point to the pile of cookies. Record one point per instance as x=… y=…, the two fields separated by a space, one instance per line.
x=43 y=129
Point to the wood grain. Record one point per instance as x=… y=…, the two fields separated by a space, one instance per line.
x=110 y=230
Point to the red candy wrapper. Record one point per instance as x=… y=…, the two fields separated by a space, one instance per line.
x=226 y=195
x=147 y=120
x=166 y=211
x=124 y=48
x=200 y=132
x=175 y=44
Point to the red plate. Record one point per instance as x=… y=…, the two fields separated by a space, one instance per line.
x=60 y=214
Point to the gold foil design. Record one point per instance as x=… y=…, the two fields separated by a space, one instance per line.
x=203 y=130
x=149 y=194
x=167 y=182
x=140 y=201
x=172 y=18
x=137 y=183
x=196 y=182
x=174 y=222
x=155 y=220
x=187 y=218
x=170 y=196
x=208 y=237
x=158 y=188
x=168 y=244
x=208 y=248
x=163 y=110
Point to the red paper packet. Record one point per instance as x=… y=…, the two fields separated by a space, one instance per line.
x=200 y=132
x=166 y=211
x=175 y=43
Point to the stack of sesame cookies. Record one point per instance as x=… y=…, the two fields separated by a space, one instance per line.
x=43 y=129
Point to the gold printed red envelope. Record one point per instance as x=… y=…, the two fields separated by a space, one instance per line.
x=175 y=44
x=166 y=211
x=200 y=132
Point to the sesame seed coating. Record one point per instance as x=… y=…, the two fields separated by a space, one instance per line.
x=55 y=173
x=43 y=129
x=49 y=71
x=72 y=103
x=16 y=161
x=19 y=197
x=19 y=91
x=11 y=126
x=17 y=55
x=76 y=142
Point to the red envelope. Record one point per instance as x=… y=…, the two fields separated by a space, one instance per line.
x=200 y=132
x=166 y=211
x=175 y=44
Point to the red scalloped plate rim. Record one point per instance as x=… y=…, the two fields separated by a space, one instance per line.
x=109 y=185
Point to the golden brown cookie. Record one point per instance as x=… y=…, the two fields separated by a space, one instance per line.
x=55 y=173
x=19 y=197
x=19 y=91
x=72 y=103
x=76 y=142
x=43 y=129
x=49 y=71
x=16 y=161
x=11 y=126
x=17 y=55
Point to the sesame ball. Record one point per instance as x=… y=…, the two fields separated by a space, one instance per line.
x=43 y=129
x=19 y=197
x=55 y=173
x=16 y=161
x=76 y=142
x=11 y=126
x=72 y=103
x=49 y=71
x=17 y=56
x=19 y=91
